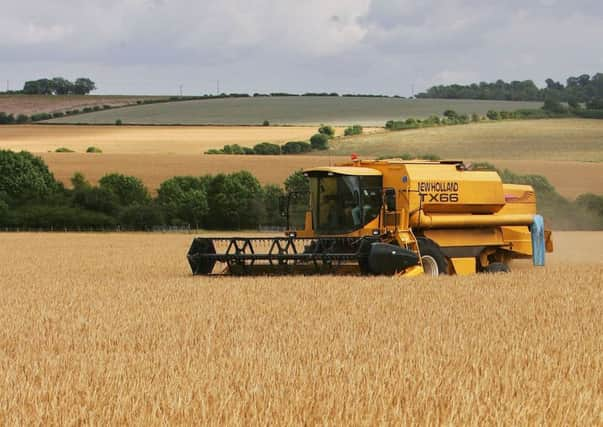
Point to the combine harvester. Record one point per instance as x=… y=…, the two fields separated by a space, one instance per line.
x=392 y=217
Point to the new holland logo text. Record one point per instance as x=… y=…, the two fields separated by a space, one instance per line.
x=439 y=191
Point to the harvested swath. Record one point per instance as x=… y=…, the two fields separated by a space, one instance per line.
x=112 y=329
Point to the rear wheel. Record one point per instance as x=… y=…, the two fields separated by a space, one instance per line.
x=497 y=267
x=433 y=260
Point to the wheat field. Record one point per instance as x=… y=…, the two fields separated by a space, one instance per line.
x=111 y=329
x=191 y=140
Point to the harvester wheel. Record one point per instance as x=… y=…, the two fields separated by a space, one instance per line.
x=434 y=261
x=497 y=267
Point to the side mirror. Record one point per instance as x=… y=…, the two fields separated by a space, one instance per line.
x=390 y=199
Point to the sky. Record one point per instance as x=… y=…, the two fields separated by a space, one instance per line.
x=348 y=46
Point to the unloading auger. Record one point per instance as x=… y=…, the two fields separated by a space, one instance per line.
x=391 y=217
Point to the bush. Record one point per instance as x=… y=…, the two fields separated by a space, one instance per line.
x=463 y=119
x=118 y=122
x=141 y=217
x=265 y=123
x=493 y=115
x=87 y=109
x=429 y=156
x=353 y=130
x=296 y=147
x=58 y=114
x=63 y=150
x=6 y=119
x=267 y=148
x=95 y=199
x=327 y=130
x=272 y=195
x=96 y=108
x=22 y=118
x=40 y=116
x=59 y=216
x=450 y=114
x=591 y=202
x=93 y=150
x=475 y=117
x=554 y=106
x=233 y=149
x=319 y=141
x=214 y=151
x=590 y=114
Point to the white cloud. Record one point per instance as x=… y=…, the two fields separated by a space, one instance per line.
x=344 y=45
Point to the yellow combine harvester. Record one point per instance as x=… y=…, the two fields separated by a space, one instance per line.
x=393 y=217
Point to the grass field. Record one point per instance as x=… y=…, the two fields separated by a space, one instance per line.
x=29 y=104
x=112 y=329
x=291 y=110
x=193 y=140
x=563 y=139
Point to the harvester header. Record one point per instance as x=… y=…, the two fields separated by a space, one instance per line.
x=392 y=217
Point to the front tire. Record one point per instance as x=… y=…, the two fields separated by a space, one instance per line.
x=433 y=260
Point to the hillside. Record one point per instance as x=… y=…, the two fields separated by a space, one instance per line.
x=561 y=139
x=31 y=104
x=290 y=110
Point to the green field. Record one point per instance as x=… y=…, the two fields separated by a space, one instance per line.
x=562 y=140
x=290 y=110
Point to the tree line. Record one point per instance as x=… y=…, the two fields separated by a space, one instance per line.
x=581 y=89
x=30 y=197
x=58 y=86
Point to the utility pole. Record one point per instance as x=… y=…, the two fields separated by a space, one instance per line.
x=218 y=87
x=180 y=91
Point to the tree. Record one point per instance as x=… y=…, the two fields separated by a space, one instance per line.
x=83 y=86
x=319 y=141
x=62 y=86
x=24 y=177
x=127 y=189
x=273 y=195
x=38 y=87
x=297 y=182
x=235 y=201
x=184 y=200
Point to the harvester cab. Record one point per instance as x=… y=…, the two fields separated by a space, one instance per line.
x=391 y=217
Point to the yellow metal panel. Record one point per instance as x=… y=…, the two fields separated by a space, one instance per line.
x=463 y=266
x=466 y=237
x=346 y=170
